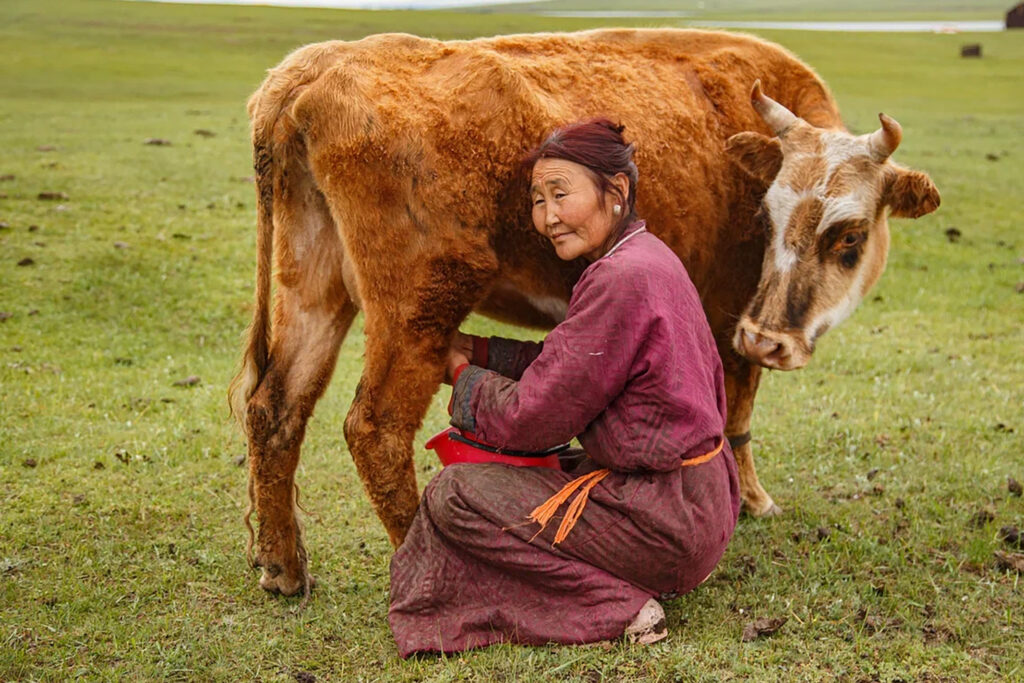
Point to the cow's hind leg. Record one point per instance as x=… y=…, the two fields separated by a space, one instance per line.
x=407 y=338
x=312 y=314
x=741 y=380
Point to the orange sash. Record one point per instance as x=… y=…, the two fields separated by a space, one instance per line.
x=543 y=513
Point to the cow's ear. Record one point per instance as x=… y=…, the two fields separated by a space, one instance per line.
x=759 y=155
x=909 y=194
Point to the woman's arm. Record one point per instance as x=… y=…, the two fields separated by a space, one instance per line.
x=507 y=357
x=582 y=366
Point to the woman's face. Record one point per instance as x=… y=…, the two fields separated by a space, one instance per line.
x=571 y=210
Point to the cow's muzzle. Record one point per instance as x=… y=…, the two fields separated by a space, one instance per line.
x=774 y=349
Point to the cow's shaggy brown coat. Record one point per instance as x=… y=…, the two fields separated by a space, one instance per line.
x=389 y=180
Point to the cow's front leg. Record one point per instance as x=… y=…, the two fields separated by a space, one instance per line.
x=741 y=380
x=393 y=395
x=407 y=339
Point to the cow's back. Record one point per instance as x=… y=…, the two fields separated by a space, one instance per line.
x=441 y=127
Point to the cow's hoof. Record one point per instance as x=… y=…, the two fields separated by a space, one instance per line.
x=766 y=508
x=275 y=580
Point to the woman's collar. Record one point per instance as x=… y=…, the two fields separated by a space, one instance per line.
x=633 y=229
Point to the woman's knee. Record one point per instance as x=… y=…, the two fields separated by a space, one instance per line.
x=447 y=502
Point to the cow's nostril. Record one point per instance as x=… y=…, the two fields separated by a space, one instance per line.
x=761 y=344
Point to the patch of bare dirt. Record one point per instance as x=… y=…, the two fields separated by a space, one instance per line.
x=762 y=627
x=1010 y=561
x=936 y=634
x=874 y=623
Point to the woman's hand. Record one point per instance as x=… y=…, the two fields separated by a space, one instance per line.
x=459 y=353
x=463 y=343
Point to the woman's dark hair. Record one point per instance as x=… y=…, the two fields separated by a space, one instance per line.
x=598 y=145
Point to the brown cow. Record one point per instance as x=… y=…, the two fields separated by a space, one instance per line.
x=388 y=180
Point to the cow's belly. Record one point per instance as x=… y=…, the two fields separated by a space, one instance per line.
x=506 y=303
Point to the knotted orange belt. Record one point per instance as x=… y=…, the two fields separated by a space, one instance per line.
x=543 y=513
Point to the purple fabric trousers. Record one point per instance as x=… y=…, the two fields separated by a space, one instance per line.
x=468 y=574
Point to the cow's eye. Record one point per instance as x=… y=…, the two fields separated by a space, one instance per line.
x=850 y=240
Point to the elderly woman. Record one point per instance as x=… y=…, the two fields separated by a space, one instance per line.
x=646 y=509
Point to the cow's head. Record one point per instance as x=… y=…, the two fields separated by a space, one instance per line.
x=825 y=210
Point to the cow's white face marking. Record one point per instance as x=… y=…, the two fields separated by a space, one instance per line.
x=839 y=148
x=849 y=207
x=840 y=311
x=781 y=200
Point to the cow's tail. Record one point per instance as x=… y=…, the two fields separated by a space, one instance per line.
x=256 y=356
x=266 y=108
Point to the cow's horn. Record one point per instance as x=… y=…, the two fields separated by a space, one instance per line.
x=778 y=118
x=884 y=141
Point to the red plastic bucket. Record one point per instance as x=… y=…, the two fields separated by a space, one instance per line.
x=453 y=447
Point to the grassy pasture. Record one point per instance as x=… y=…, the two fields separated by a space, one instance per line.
x=121 y=546
x=811 y=10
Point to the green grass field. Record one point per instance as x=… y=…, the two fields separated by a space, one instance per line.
x=811 y=10
x=121 y=542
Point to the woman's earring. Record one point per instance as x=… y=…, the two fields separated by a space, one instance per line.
x=617 y=209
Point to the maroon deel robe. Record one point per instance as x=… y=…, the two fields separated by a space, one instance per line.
x=634 y=373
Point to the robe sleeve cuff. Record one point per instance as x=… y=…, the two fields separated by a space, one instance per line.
x=458 y=371
x=462 y=394
x=510 y=357
x=480 y=351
